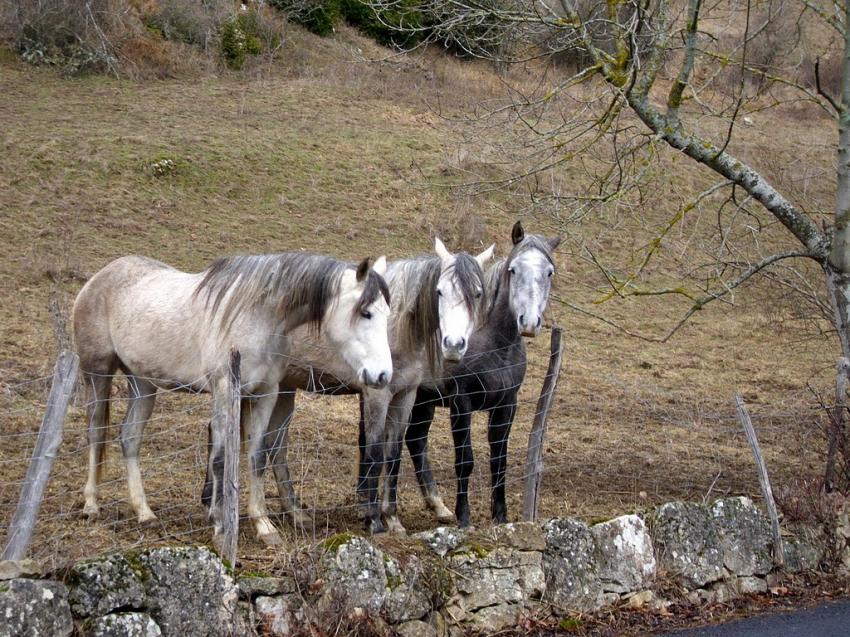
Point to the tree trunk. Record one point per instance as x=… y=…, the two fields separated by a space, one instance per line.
x=838 y=265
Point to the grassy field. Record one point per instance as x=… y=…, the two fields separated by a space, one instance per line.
x=331 y=153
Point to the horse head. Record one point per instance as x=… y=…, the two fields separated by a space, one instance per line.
x=529 y=269
x=356 y=323
x=459 y=290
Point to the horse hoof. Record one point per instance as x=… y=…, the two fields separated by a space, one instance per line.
x=270 y=539
x=302 y=521
x=395 y=527
x=147 y=517
x=375 y=527
x=91 y=511
x=446 y=518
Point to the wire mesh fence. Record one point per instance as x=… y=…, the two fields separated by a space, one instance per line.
x=629 y=446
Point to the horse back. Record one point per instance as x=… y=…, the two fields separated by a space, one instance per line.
x=95 y=304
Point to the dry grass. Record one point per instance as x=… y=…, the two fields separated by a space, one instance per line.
x=324 y=151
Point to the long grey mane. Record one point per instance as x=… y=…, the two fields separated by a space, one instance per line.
x=292 y=283
x=413 y=283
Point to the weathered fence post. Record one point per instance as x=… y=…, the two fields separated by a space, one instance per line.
x=230 y=480
x=46 y=445
x=767 y=492
x=534 y=461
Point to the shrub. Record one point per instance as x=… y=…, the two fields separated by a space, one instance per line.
x=70 y=35
x=244 y=35
x=193 y=23
x=479 y=33
x=397 y=27
x=317 y=16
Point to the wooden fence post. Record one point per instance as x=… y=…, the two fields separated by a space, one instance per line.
x=47 y=444
x=230 y=480
x=534 y=461
x=767 y=492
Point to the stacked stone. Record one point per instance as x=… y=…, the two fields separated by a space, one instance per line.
x=441 y=583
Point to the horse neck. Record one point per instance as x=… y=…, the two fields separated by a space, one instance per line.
x=501 y=318
x=414 y=325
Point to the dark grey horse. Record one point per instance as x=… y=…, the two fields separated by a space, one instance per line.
x=487 y=379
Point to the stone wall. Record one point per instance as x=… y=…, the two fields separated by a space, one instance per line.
x=439 y=583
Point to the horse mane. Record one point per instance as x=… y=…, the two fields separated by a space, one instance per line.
x=493 y=281
x=415 y=315
x=292 y=282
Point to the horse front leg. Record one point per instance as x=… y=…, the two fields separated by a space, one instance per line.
x=276 y=442
x=98 y=388
x=398 y=418
x=498 y=431
x=215 y=457
x=374 y=405
x=416 y=438
x=142 y=396
x=257 y=417
x=461 y=417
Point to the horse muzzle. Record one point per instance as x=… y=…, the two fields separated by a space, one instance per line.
x=454 y=349
x=378 y=380
x=528 y=326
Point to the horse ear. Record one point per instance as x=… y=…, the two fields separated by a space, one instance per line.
x=441 y=250
x=363 y=269
x=485 y=256
x=554 y=242
x=517 y=233
x=380 y=265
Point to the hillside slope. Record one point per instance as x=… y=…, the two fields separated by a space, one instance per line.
x=339 y=158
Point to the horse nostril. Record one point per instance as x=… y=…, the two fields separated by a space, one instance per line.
x=382 y=378
x=522 y=319
x=446 y=342
x=539 y=321
x=462 y=343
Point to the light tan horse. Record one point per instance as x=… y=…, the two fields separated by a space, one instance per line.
x=166 y=328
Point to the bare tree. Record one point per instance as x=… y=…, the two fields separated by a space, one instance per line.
x=683 y=75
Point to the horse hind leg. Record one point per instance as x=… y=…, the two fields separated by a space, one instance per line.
x=416 y=439
x=98 y=388
x=276 y=442
x=498 y=431
x=257 y=414
x=398 y=418
x=142 y=396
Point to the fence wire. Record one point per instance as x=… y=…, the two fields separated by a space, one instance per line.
x=612 y=449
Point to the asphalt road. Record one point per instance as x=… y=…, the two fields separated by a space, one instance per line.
x=829 y=620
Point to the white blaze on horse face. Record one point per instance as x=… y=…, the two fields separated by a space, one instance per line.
x=531 y=280
x=457 y=320
x=362 y=341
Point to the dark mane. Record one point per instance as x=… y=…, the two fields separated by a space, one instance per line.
x=375 y=285
x=294 y=283
x=416 y=309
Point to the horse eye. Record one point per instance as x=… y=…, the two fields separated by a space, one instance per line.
x=551 y=272
x=366 y=314
x=478 y=294
x=511 y=270
x=439 y=293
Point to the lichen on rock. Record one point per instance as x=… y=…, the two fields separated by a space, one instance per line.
x=101 y=585
x=570 y=566
x=687 y=540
